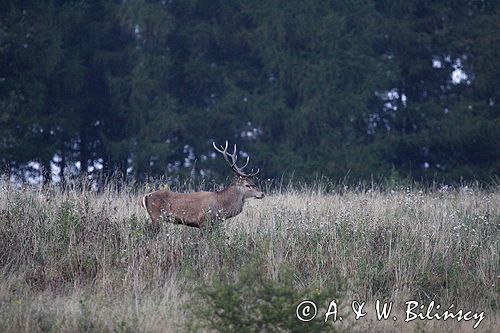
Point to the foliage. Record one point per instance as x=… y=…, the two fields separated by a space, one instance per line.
x=254 y=303
x=310 y=88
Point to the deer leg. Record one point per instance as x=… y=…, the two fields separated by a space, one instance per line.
x=152 y=229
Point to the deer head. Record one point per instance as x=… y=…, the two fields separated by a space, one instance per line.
x=248 y=188
x=242 y=180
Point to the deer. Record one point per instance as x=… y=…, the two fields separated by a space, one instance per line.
x=203 y=209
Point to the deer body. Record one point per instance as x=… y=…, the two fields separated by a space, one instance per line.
x=198 y=208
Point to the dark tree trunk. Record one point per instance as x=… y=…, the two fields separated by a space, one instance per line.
x=46 y=173
x=63 y=167
x=84 y=154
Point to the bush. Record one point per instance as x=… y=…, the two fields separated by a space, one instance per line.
x=254 y=303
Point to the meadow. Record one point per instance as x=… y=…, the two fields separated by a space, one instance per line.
x=75 y=260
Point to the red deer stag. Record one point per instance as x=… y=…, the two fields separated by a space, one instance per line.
x=195 y=209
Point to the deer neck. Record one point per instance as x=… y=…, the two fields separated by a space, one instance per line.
x=231 y=201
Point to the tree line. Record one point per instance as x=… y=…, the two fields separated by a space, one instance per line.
x=363 y=89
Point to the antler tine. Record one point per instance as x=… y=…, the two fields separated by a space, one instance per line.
x=220 y=150
x=234 y=156
x=223 y=151
x=234 y=159
x=255 y=173
x=246 y=163
x=252 y=173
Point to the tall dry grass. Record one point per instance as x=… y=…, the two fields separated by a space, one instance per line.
x=80 y=261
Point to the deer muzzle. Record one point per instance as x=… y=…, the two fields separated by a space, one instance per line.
x=259 y=195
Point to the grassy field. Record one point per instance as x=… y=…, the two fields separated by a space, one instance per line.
x=78 y=261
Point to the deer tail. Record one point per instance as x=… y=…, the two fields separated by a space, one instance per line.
x=144 y=202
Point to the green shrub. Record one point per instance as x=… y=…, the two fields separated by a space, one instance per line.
x=254 y=303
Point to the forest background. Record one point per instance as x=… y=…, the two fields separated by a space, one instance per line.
x=352 y=90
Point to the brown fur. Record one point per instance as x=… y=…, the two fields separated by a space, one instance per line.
x=195 y=209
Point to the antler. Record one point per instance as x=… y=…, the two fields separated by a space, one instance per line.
x=234 y=159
